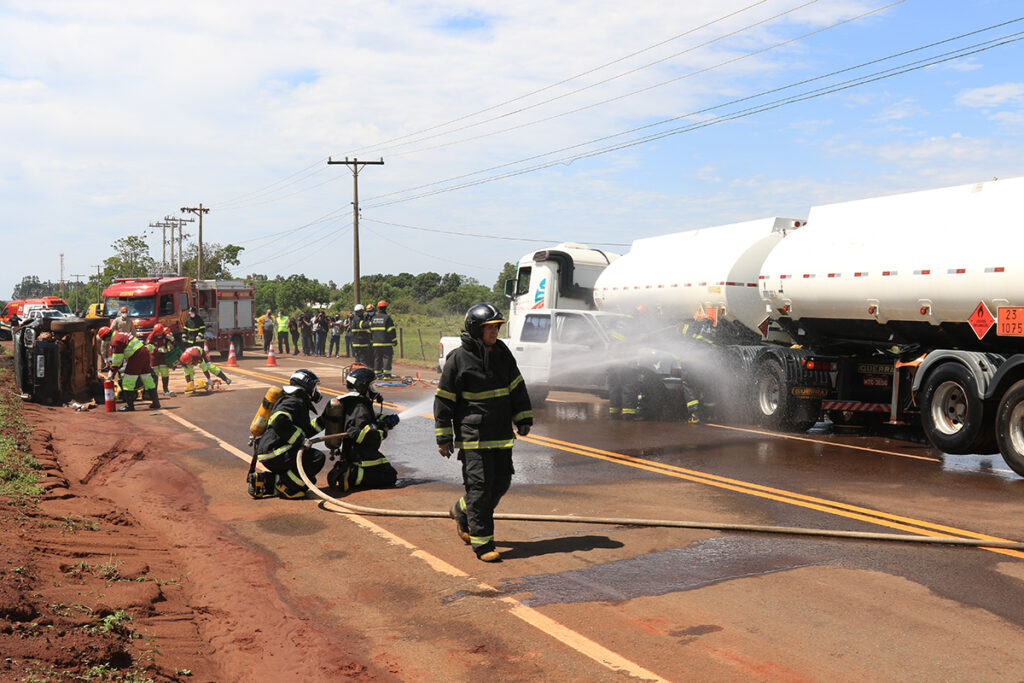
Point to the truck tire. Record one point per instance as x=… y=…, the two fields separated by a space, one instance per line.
x=952 y=414
x=774 y=406
x=1010 y=427
x=537 y=397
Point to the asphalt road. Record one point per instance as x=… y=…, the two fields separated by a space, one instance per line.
x=592 y=602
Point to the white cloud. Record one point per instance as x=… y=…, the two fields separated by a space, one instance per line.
x=993 y=96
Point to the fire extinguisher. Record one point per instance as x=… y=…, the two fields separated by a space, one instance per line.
x=108 y=395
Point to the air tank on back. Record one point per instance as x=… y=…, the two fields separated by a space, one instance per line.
x=711 y=269
x=903 y=269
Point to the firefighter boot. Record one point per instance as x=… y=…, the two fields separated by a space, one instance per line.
x=129 y=402
x=461 y=522
x=154 y=399
x=190 y=387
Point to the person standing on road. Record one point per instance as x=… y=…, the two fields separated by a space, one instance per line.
x=480 y=396
x=320 y=330
x=347 y=326
x=268 y=330
x=306 y=329
x=288 y=431
x=282 y=332
x=334 y=350
x=293 y=331
x=361 y=339
x=194 y=329
x=384 y=340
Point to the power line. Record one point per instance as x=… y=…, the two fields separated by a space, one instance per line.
x=564 y=81
x=956 y=54
x=493 y=237
x=245 y=201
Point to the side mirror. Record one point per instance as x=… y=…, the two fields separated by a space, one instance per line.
x=510 y=288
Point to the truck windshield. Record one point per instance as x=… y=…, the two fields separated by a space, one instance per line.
x=63 y=308
x=138 y=307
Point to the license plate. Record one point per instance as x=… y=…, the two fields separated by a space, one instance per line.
x=876 y=381
x=1010 y=321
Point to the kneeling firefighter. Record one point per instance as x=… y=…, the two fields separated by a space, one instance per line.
x=362 y=465
x=288 y=431
x=196 y=356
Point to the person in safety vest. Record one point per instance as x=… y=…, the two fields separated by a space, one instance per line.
x=699 y=334
x=158 y=343
x=480 y=396
x=194 y=329
x=361 y=339
x=282 y=333
x=362 y=465
x=130 y=358
x=194 y=355
x=119 y=323
x=288 y=432
x=384 y=339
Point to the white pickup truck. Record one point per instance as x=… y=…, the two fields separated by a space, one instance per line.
x=557 y=350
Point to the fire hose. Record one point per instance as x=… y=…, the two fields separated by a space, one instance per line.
x=339 y=506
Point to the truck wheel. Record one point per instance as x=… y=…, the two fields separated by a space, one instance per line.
x=537 y=397
x=1010 y=427
x=952 y=414
x=774 y=407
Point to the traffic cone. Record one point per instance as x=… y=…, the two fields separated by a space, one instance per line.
x=271 y=361
x=232 y=361
x=206 y=348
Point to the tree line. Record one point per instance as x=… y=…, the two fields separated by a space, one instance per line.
x=427 y=293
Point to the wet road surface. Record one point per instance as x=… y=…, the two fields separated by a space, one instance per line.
x=593 y=602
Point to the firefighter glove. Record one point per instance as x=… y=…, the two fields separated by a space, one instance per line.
x=523 y=430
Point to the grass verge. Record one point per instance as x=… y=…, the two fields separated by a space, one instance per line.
x=19 y=471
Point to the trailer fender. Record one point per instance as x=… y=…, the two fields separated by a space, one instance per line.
x=984 y=367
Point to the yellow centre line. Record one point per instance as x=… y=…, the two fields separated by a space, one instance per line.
x=825 y=505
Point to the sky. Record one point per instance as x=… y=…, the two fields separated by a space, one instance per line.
x=504 y=127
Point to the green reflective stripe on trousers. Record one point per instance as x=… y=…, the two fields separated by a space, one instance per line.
x=359 y=476
x=296 y=478
x=371 y=463
x=441 y=393
x=690 y=404
x=629 y=411
x=481 y=540
x=519 y=417
x=481 y=395
x=482 y=445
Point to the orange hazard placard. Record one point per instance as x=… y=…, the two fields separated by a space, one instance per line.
x=1010 y=321
x=981 y=320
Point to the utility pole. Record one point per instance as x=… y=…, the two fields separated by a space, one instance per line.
x=199 y=211
x=179 y=221
x=78 y=285
x=99 y=285
x=163 y=225
x=355 y=165
x=62 y=275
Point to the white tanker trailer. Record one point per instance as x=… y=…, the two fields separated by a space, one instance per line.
x=888 y=306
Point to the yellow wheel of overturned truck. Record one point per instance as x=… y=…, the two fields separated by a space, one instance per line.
x=953 y=414
x=1010 y=427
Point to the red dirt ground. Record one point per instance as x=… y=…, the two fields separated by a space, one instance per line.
x=122 y=531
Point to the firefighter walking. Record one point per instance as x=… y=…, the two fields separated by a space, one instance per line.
x=130 y=358
x=480 y=396
x=384 y=339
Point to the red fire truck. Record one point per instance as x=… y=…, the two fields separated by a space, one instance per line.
x=226 y=307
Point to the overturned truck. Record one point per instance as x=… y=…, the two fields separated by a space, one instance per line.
x=55 y=361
